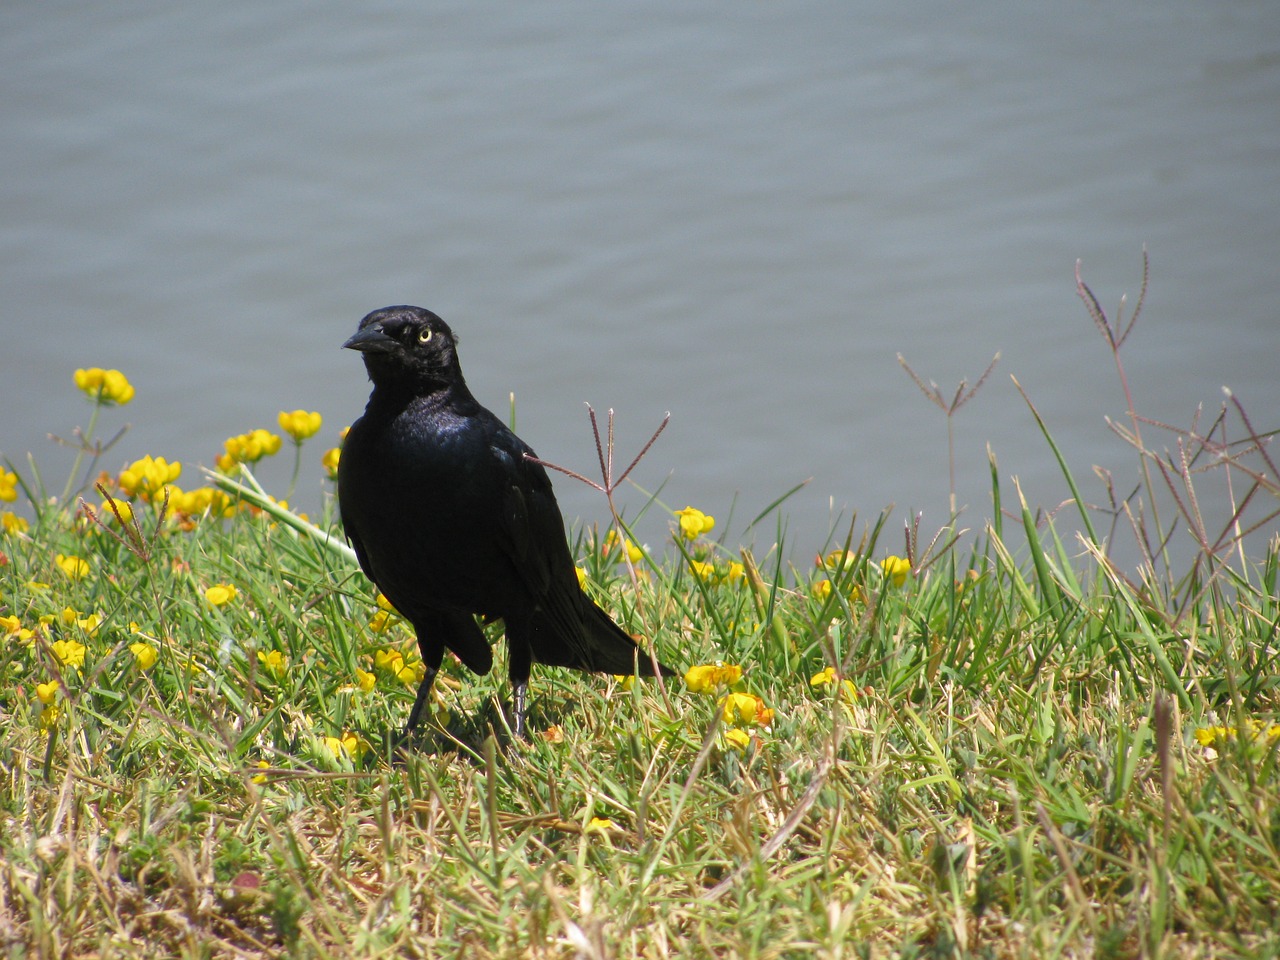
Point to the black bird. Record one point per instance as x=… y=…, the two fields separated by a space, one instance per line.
x=451 y=519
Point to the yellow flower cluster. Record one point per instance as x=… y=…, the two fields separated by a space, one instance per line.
x=836 y=561
x=821 y=589
x=896 y=569
x=273 y=662
x=12 y=523
x=144 y=654
x=694 y=523
x=70 y=618
x=746 y=709
x=201 y=501
x=123 y=509
x=12 y=629
x=104 y=386
x=330 y=462
x=1254 y=729
x=712 y=677
x=348 y=745
x=147 y=478
x=737 y=707
x=248 y=448
x=8 y=485
x=384 y=617
x=708 y=572
x=299 y=424
x=392 y=662
x=613 y=539
x=828 y=678
x=68 y=653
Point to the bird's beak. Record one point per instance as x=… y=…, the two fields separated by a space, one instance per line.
x=371 y=339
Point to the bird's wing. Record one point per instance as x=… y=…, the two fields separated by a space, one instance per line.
x=361 y=556
x=532 y=530
x=349 y=530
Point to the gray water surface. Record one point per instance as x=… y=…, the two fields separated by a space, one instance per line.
x=739 y=214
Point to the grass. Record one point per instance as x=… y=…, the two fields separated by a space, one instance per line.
x=1035 y=754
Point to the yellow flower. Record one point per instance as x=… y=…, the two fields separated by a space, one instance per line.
x=1208 y=736
x=330 y=461
x=393 y=662
x=738 y=739
x=104 y=386
x=248 y=448
x=261 y=777
x=47 y=693
x=821 y=589
x=600 y=825
x=837 y=560
x=220 y=594
x=896 y=569
x=625 y=682
x=632 y=552
x=1256 y=730
x=384 y=616
x=201 y=500
x=708 y=678
x=8 y=486
x=68 y=653
x=144 y=654
x=365 y=681
x=823 y=678
x=694 y=523
x=273 y=662
x=74 y=567
x=349 y=744
x=11 y=522
x=702 y=570
x=146 y=478
x=12 y=629
x=49 y=716
x=745 y=708
x=299 y=424
x=71 y=618
x=827 y=678
x=737 y=572
x=582 y=576
x=122 y=507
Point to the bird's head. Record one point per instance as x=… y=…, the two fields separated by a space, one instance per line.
x=407 y=347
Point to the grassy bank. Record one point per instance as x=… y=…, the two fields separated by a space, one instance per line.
x=948 y=747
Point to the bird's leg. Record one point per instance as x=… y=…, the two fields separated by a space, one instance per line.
x=518 y=670
x=519 y=703
x=431 y=657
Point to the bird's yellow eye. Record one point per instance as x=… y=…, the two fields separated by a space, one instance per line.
x=425 y=334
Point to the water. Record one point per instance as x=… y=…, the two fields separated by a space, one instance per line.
x=738 y=215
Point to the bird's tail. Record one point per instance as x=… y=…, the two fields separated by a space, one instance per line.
x=611 y=649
